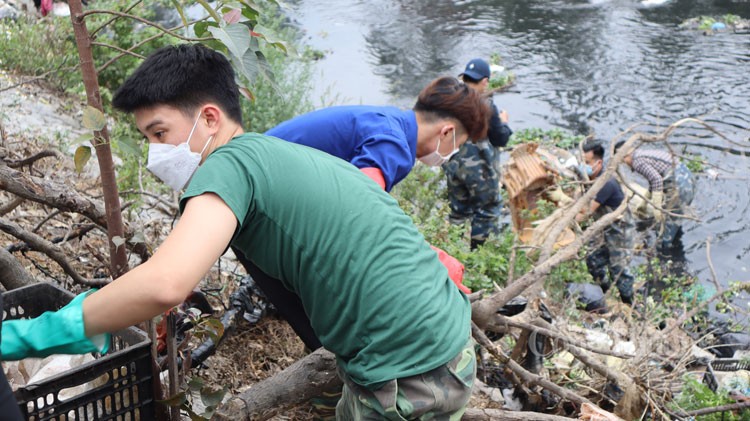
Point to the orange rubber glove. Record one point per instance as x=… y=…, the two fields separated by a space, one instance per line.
x=375 y=174
x=455 y=269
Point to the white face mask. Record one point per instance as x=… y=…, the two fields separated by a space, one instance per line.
x=175 y=165
x=435 y=159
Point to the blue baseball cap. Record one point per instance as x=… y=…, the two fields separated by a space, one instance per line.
x=477 y=69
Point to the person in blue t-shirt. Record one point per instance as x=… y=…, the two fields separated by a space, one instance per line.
x=612 y=250
x=383 y=141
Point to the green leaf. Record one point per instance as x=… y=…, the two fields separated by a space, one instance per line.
x=138 y=237
x=129 y=146
x=265 y=66
x=215 y=326
x=235 y=37
x=213 y=398
x=88 y=137
x=201 y=28
x=93 y=119
x=196 y=383
x=118 y=241
x=248 y=65
x=83 y=153
x=267 y=34
x=175 y=400
x=250 y=13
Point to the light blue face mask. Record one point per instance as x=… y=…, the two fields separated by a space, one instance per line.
x=588 y=169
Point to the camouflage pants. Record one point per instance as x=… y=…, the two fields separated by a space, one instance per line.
x=612 y=254
x=439 y=394
x=473 y=177
x=679 y=189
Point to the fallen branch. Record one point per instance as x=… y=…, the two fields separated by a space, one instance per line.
x=526 y=377
x=77 y=233
x=548 y=332
x=50 y=193
x=489 y=414
x=32 y=159
x=38 y=243
x=483 y=311
x=14 y=274
x=722 y=408
x=59 y=196
x=8 y=207
x=306 y=378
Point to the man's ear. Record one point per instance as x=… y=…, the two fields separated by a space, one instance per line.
x=213 y=115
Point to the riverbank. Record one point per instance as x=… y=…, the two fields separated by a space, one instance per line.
x=620 y=316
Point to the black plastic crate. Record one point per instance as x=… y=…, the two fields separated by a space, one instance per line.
x=124 y=376
x=722 y=364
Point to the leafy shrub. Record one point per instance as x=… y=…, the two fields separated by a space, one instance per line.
x=423 y=196
x=554 y=137
x=695 y=163
x=52 y=42
x=696 y=395
x=288 y=96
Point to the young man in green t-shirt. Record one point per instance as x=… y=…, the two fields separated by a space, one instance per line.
x=375 y=293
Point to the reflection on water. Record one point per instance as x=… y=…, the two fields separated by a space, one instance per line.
x=589 y=66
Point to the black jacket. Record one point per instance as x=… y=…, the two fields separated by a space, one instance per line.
x=498 y=132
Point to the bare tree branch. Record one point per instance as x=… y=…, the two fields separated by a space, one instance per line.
x=527 y=378
x=483 y=311
x=77 y=233
x=38 y=243
x=8 y=207
x=306 y=378
x=141 y=20
x=30 y=160
x=489 y=414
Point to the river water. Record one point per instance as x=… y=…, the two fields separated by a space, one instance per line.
x=587 y=66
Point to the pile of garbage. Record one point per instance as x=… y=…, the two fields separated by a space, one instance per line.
x=710 y=25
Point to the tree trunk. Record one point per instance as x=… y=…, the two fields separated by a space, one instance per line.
x=118 y=258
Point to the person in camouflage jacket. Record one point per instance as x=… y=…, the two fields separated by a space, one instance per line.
x=473 y=174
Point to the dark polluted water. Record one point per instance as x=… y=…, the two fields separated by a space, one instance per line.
x=586 y=66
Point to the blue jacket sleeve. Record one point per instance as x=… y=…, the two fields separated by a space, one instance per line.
x=389 y=154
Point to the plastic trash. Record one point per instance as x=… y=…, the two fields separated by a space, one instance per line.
x=718 y=26
x=729 y=343
x=589 y=296
x=514 y=306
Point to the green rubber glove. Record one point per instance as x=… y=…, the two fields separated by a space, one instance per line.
x=54 y=332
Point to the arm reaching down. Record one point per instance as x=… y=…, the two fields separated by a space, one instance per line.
x=197 y=241
x=153 y=287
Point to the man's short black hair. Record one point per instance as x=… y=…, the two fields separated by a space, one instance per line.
x=594 y=147
x=183 y=76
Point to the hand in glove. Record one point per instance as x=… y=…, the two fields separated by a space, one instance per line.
x=54 y=332
x=558 y=196
x=657 y=198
